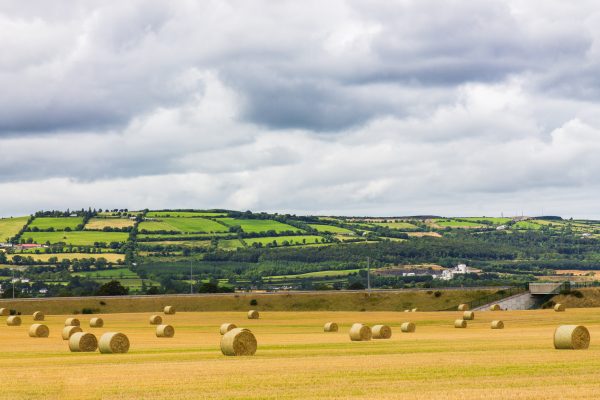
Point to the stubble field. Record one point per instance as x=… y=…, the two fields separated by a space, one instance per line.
x=297 y=360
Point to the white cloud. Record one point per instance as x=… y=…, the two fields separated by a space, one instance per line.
x=403 y=107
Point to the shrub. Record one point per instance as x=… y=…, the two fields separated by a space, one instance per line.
x=253 y=302
x=437 y=293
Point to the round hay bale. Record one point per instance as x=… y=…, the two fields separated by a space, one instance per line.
x=381 y=332
x=113 y=342
x=559 y=307
x=238 y=342
x=38 y=316
x=155 y=320
x=72 y=322
x=165 y=331
x=226 y=328
x=360 y=332
x=330 y=327
x=406 y=310
x=13 y=320
x=497 y=325
x=468 y=315
x=572 y=337
x=253 y=314
x=68 y=331
x=495 y=307
x=96 y=323
x=4 y=312
x=39 y=330
x=414 y=310
x=463 y=307
x=408 y=327
x=83 y=342
x=460 y=323
x=169 y=310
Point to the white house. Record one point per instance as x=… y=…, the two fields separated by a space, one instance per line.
x=460 y=269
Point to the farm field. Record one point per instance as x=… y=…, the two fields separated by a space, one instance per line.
x=331 y=229
x=59 y=223
x=189 y=225
x=452 y=223
x=9 y=227
x=529 y=225
x=110 y=257
x=297 y=360
x=292 y=240
x=317 y=274
x=230 y=244
x=183 y=214
x=396 y=225
x=97 y=224
x=258 y=225
x=493 y=220
x=77 y=238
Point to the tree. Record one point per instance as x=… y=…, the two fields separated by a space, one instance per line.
x=112 y=288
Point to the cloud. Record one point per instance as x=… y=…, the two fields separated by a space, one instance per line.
x=402 y=107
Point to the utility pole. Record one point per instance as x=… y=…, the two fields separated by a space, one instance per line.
x=191 y=281
x=369 y=275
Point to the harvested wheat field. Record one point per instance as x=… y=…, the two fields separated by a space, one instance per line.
x=295 y=360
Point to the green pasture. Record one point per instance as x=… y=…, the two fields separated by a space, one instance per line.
x=58 y=223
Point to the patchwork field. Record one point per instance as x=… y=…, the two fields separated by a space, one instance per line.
x=230 y=244
x=59 y=224
x=183 y=214
x=44 y=257
x=297 y=360
x=97 y=224
x=189 y=225
x=397 y=225
x=258 y=225
x=292 y=240
x=331 y=229
x=9 y=227
x=77 y=238
x=451 y=223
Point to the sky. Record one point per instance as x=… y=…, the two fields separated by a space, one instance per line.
x=380 y=108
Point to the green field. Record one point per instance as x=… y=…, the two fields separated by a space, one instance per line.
x=259 y=225
x=456 y=224
x=529 y=225
x=184 y=214
x=292 y=240
x=493 y=220
x=185 y=243
x=186 y=225
x=59 y=224
x=112 y=273
x=147 y=236
x=78 y=238
x=331 y=229
x=230 y=244
x=399 y=225
x=9 y=227
x=317 y=274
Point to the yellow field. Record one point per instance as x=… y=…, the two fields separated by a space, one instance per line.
x=44 y=257
x=296 y=360
x=101 y=223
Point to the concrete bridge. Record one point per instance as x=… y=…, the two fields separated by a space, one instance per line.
x=537 y=294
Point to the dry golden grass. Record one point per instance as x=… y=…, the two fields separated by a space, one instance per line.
x=296 y=360
x=101 y=223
